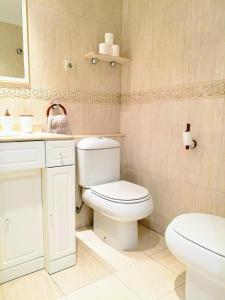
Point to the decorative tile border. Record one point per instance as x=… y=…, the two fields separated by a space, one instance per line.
x=178 y=93
x=60 y=95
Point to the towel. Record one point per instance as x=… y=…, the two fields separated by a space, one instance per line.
x=58 y=123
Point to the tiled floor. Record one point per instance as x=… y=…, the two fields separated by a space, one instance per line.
x=149 y=273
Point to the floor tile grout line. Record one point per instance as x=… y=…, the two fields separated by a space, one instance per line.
x=56 y=284
x=167 y=293
x=179 y=285
x=84 y=286
x=172 y=289
x=135 y=293
x=116 y=271
x=166 y=268
x=99 y=279
x=155 y=259
x=157 y=252
x=122 y=268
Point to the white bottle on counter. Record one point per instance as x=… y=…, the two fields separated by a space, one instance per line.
x=26 y=122
x=6 y=122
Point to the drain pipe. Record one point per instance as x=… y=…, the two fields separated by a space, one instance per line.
x=78 y=208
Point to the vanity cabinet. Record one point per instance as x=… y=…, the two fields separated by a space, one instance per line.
x=37 y=207
x=19 y=156
x=59 y=191
x=20 y=218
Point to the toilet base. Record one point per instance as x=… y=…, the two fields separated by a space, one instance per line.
x=119 y=235
x=200 y=287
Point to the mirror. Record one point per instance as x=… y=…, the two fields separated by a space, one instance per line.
x=13 y=41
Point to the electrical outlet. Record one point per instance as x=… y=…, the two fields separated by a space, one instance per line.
x=69 y=65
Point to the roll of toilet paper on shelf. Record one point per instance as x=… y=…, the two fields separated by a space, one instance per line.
x=187 y=138
x=109 y=38
x=115 y=50
x=104 y=48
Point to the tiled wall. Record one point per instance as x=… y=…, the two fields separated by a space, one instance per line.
x=60 y=30
x=176 y=76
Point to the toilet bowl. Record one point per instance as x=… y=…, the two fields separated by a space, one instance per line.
x=117 y=204
x=198 y=240
x=117 y=207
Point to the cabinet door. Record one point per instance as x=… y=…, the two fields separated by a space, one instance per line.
x=59 y=206
x=21 y=235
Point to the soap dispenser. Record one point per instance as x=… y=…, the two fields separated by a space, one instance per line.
x=7 y=122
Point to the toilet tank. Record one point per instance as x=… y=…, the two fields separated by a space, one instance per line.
x=98 y=161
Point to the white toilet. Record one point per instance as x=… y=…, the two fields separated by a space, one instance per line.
x=198 y=240
x=117 y=204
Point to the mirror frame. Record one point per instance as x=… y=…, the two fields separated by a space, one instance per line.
x=26 y=78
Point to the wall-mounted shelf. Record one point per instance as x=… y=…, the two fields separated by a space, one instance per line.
x=112 y=60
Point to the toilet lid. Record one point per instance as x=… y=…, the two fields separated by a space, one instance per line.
x=123 y=191
x=207 y=231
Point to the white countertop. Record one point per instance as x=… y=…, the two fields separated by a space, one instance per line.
x=45 y=136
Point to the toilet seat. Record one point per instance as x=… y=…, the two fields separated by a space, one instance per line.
x=207 y=231
x=201 y=248
x=119 y=200
x=121 y=192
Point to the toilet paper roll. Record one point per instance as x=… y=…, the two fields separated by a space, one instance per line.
x=109 y=38
x=187 y=138
x=115 y=50
x=104 y=48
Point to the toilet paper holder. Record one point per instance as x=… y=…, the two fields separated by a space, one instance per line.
x=188 y=142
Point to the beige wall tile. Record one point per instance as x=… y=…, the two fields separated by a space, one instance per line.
x=204 y=46
x=176 y=42
x=90 y=9
x=94 y=118
x=193 y=198
x=154 y=156
x=76 y=35
x=156 y=131
x=172 y=197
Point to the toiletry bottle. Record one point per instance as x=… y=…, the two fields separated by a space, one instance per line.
x=7 y=122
